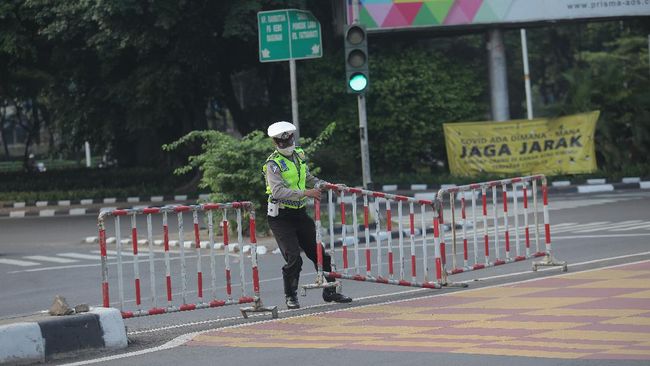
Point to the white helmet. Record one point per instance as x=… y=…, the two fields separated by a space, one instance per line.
x=281 y=130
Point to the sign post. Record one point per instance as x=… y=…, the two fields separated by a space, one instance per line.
x=289 y=35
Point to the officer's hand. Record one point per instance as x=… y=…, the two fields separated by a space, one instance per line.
x=313 y=193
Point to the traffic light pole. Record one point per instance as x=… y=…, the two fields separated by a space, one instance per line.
x=363 y=136
x=363 y=121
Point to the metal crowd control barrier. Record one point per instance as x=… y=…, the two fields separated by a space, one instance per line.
x=207 y=209
x=483 y=255
x=396 y=275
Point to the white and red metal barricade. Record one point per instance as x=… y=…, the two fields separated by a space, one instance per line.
x=386 y=264
x=198 y=212
x=405 y=269
x=489 y=253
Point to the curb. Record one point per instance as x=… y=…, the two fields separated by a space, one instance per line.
x=38 y=341
x=108 y=200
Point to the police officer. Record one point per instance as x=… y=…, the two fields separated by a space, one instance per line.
x=287 y=177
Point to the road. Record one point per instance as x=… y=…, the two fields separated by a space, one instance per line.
x=586 y=229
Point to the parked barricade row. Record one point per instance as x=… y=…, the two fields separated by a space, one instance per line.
x=381 y=261
x=198 y=212
x=489 y=253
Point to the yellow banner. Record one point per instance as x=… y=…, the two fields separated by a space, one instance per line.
x=562 y=145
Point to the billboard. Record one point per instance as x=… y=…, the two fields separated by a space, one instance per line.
x=562 y=145
x=403 y=14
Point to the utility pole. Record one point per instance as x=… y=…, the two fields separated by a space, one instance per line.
x=524 y=52
x=363 y=121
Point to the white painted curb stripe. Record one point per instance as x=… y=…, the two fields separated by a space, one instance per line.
x=180 y=197
x=389 y=187
x=110 y=200
x=21 y=342
x=87 y=201
x=46 y=213
x=644 y=185
x=19 y=204
x=64 y=203
x=17 y=214
x=41 y=203
x=77 y=211
x=156 y=198
x=596 y=188
x=631 y=180
x=596 y=181
x=561 y=183
x=112 y=324
x=418 y=187
x=132 y=199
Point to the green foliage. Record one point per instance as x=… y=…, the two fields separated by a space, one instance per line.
x=231 y=168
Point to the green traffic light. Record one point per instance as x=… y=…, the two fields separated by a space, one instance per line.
x=358 y=82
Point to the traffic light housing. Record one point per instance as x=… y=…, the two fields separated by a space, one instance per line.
x=356 y=59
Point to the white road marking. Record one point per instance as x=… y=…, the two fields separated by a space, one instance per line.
x=613 y=225
x=645 y=226
x=95 y=257
x=45 y=258
x=18 y=262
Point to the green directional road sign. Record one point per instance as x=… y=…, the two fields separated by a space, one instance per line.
x=288 y=34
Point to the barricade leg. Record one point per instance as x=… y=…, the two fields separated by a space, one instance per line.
x=549 y=260
x=321 y=281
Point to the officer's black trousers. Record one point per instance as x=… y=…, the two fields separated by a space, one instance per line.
x=294 y=230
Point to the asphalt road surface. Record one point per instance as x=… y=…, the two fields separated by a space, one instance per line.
x=43 y=257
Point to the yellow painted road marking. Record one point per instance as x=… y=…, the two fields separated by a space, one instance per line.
x=490 y=324
x=630 y=320
x=593 y=335
x=637 y=295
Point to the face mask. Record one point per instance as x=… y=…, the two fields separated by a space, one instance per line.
x=287 y=151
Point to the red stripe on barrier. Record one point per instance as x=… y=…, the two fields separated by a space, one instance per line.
x=438 y=270
x=499 y=262
x=246 y=299
x=547 y=229
x=378 y=194
x=368 y=260
x=335 y=275
x=228 y=282
x=515 y=180
x=545 y=194
x=505 y=201
x=187 y=307
x=217 y=303
x=252 y=230
x=478 y=266
x=365 y=216
x=507 y=241
x=105 y=300
x=457 y=270
x=225 y=233
x=359 y=278
x=197 y=239
x=474 y=186
x=520 y=258
x=412 y=223
x=211 y=206
x=237 y=204
x=134 y=240
x=487 y=245
x=256 y=280
x=319 y=255
x=354 y=190
x=102 y=242
x=404 y=283
x=389 y=221
x=381 y=280
x=119 y=212
x=345 y=256
x=151 y=210
x=390 y=263
x=425 y=202
x=465 y=254
x=525 y=196
x=127 y=314
x=430 y=285
x=169 y=288
x=182 y=208
x=156 y=311
x=401 y=198
x=137 y=291
x=166 y=237
x=443 y=254
x=199 y=278
x=484 y=197
x=413 y=268
x=539 y=254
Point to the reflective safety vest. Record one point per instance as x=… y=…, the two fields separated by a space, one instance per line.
x=294 y=176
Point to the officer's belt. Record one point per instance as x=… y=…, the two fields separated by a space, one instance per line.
x=295 y=204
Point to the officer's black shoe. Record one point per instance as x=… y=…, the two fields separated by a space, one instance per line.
x=292 y=302
x=330 y=294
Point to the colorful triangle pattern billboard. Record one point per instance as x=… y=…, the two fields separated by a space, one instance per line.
x=413 y=13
